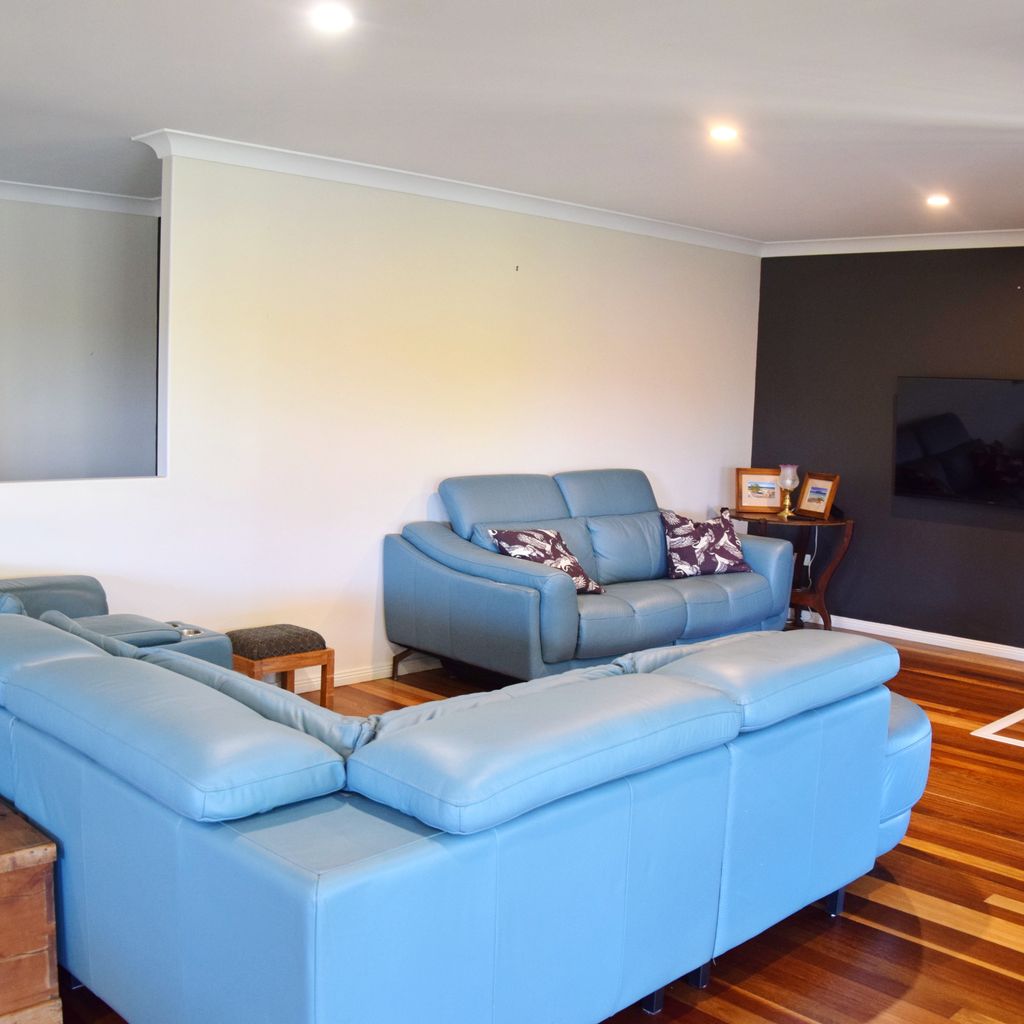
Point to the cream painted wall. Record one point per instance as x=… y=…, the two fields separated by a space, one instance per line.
x=334 y=351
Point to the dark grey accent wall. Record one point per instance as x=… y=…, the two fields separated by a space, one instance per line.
x=834 y=334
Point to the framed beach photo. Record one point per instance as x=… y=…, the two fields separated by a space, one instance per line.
x=817 y=495
x=758 y=490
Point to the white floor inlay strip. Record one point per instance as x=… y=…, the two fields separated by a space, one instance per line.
x=992 y=730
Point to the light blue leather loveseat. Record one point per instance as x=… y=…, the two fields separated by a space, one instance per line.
x=551 y=852
x=449 y=593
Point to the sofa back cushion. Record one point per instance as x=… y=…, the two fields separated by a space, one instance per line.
x=111 y=644
x=73 y=595
x=606 y=492
x=513 y=498
x=491 y=762
x=197 y=751
x=628 y=547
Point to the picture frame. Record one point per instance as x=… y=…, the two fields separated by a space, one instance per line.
x=817 y=494
x=758 y=490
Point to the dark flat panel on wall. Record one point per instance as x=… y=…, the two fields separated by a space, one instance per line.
x=835 y=332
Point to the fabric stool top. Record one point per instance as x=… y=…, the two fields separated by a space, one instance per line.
x=261 y=642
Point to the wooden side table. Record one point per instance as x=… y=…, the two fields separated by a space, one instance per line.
x=812 y=595
x=28 y=935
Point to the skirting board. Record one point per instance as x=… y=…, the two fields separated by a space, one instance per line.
x=308 y=679
x=921 y=636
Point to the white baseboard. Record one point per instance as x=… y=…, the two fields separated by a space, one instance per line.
x=308 y=679
x=921 y=636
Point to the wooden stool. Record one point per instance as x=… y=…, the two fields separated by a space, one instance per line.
x=283 y=648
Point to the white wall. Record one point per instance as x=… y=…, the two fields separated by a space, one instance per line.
x=78 y=308
x=335 y=351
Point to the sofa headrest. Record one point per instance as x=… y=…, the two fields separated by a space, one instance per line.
x=491 y=761
x=504 y=497
x=197 y=751
x=72 y=595
x=771 y=676
x=606 y=492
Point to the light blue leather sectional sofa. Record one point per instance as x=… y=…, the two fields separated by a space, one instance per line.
x=448 y=592
x=551 y=852
x=84 y=599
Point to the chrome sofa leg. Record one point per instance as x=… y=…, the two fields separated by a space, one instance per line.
x=654 y=1003
x=699 y=977
x=834 y=902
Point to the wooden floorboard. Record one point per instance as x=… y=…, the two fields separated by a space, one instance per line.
x=935 y=933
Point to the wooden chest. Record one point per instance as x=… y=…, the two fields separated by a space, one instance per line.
x=28 y=949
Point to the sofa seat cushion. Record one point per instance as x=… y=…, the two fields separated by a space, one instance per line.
x=772 y=676
x=652 y=613
x=197 y=751
x=492 y=762
x=628 y=548
x=629 y=617
x=723 y=604
x=137 y=630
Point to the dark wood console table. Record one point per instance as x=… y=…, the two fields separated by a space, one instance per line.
x=812 y=594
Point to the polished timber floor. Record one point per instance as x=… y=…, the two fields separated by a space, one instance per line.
x=934 y=934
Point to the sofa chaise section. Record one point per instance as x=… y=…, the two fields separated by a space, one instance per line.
x=448 y=592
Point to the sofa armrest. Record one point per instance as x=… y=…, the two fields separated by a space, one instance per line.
x=773 y=559
x=439 y=542
x=559 y=606
x=452 y=613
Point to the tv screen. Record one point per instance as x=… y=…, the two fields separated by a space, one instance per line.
x=960 y=439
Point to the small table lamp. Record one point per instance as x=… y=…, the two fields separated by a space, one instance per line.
x=787 y=481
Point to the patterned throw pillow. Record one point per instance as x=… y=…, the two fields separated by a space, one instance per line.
x=548 y=548
x=702 y=549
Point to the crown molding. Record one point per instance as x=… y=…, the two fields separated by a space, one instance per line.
x=80 y=199
x=895 y=243
x=170 y=143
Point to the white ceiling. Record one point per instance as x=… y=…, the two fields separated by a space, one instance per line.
x=850 y=112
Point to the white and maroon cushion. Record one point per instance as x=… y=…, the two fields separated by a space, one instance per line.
x=548 y=548
x=702 y=549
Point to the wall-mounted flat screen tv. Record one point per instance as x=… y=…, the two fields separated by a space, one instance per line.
x=960 y=439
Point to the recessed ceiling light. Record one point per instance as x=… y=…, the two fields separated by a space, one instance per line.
x=938 y=199
x=724 y=133
x=331 y=18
